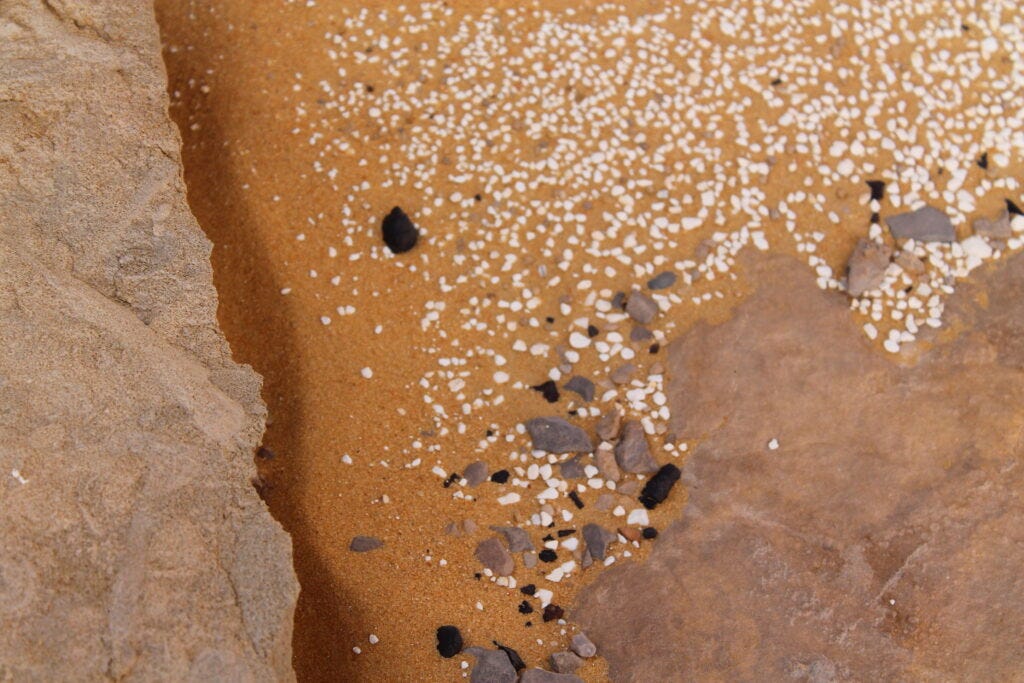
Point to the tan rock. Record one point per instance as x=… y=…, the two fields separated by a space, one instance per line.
x=134 y=544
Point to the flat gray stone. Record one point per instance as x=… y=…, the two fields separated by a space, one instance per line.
x=866 y=268
x=640 y=334
x=662 y=280
x=492 y=666
x=476 y=473
x=998 y=227
x=632 y=452
x=582 y=386
x=572 y=469
x=583 y=646
x=597 y=540
x=926 y=224
x=518 y=540
x=364 y=544
x=492 y=554
x=565 y=662
x=544 y=676
x=609 y=425
x=530 y=560
x=641 y=307
x=556 y=435
x=623 y=374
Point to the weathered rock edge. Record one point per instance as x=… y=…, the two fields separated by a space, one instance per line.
x=132 y=543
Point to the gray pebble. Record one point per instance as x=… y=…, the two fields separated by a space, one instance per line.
x=565 y=662
x=364 y=544
x=641 y=307
x=529 y=560
x=662 y=280
x=597 y=539
x=632 y=453
x=544 y=676
x=476 y=473
x=583 y=646
x=866 y=268
x=518 y=540
x=619 y=300
x=571 y=469
x=492 y=554
x=582 y=386
x=492 y=666
x=555 y=435
x=640 y=334
x=926 y=224
x=623 y=374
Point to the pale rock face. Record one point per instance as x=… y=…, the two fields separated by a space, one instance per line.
x=134 y=544
x=880 y=543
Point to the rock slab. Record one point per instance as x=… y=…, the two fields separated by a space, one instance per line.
x=134 y=544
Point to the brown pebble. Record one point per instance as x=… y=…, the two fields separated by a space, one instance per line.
x=623 y=374
x=609 y=425
x=630 y=533
x=604 y=460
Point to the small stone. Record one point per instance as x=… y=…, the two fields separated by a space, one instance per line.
x=572 y=469
x=492 y=554
x=619 y=300
x=662 y=280
x=544 y=676
x=565 y=662
x=656 y=490
x=518 y=540
x=998 y=227
x=399 y=232
x=449 y=641
x=623 y=374
x=469 y=526
x=866 y=268
x=555 y=435
x=582 y=386
x=452 y=529
x=630 y=533
x=605 y=502
x=609 y=424
x=364 y=544
x=548 y=555
x=492 y=666
x=641 y=307
x=476 y=473
x=583 y=646
x=597 y=539
x=640 y=334
x=529 y=560
x=549 y=390
x=553 y=612
x=877 y=189
x=604 y=459
x=650 y=533
x=632 y=453
x=926 y=224
x=910 y=263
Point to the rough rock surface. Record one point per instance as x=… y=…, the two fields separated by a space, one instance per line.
x=134 y=544
x=881 y=541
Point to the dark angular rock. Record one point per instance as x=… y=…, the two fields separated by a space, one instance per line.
x=656 y=490
x=518 y=540
x=572 y=469
x=492 y=666
x=582 y=386
x=926 y=224
x=597 y=540
x=662 y=280
x=492 y=554
x=399 y=232
x=517 y=662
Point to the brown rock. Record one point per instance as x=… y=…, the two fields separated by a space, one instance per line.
x=632 y=452
x=884 y=547
x=492 y=555
x=630 y=533
x=604 y=460
x=609 y=424
x=623 y=374
x=137 y=546
x=998 y=227
x=910 y=263
x=866 y=268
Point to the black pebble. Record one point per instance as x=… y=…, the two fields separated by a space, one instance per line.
x=983 y=161
x=592 y=331
x=452 y=478
x=548 y=555
x=562 y=533
x=575 y=498
x=547 y=538
x=449 y=641
x=875 y=218
x=525 y=607
x=656 y=490
x=513 y=656
x=500 y=477
x=399 y=232
x=549 y=390
x=478 y=197
x=877 y=189
x=1013 y=209
x=654 y=348
x=528 y=589
x=550 y=319
x=552 y=612
x=777 y=81
x=649 y=532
